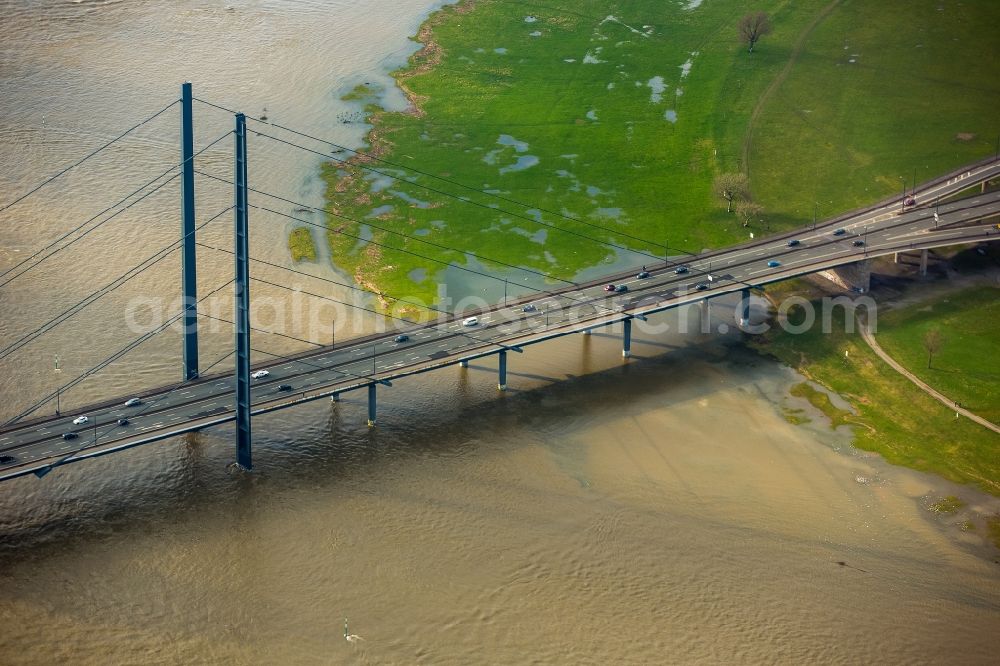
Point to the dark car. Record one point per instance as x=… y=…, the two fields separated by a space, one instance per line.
x=839 y=232
x=529 y=308
x=122 y=422
x=622 y=288
x=681 y=269
x=701 y=286
x=643 y=275
x=858 y=242
x=609 y=287
x=793 y=242
x=70 y=435
x=6 y=460
x=402 y=338
x=773 y=263
x=909 y=201
x=284 y=387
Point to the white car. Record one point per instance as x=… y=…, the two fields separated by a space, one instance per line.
x=259 y=374
x=80 y=420
x=133 y=402
x=470 y=321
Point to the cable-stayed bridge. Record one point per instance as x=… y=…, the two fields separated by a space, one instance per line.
x=30 y=443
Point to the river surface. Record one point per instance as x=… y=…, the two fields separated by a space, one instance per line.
x=661 y=510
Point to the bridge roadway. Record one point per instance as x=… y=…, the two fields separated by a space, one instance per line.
x=37 y=445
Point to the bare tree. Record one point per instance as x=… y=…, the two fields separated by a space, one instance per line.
x=932 y=343
x=753 y=26
x=732 y=186
x=748 y=210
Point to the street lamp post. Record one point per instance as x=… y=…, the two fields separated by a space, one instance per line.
x=902 y=202
x=814 y=215
x=57 y=370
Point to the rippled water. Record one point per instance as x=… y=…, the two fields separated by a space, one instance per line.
x=655 y=511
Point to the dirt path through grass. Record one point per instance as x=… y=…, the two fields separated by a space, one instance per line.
x=866 y=334
x=779 y=79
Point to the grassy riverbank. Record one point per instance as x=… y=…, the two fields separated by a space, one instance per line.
x=967 y=367
x=621 y=118
x=892 y=416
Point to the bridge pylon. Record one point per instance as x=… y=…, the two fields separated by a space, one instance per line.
x=189 y=279
x=242 y=289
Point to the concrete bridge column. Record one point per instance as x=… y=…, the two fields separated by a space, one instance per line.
x=463 y=364
x=335 y=397
x=586 y=331
x=627 y=338
x=923 y=263
x=371 y=405
x=706 y=316
x=744 y=307
x=502 y=371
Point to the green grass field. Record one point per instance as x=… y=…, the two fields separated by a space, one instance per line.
x=623 y=123
x=894 y=418
x=967 y=368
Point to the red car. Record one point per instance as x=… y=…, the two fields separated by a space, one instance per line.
x=609 y=287
x=909 y=201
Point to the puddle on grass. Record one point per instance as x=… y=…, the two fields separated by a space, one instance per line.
x=381 y=210
x=670 y=115
x=656 y=86
x=365 y=235
x=523 y=162
x=501 y=50
x=539 y=236
x=508 y=140
x=607 y=213
x=409 y=199
x=686 y=67
x=417 y=275
x=379 y=182
x=592 y=115
x=422 y=232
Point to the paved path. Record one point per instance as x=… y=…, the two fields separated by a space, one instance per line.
x=947 y=402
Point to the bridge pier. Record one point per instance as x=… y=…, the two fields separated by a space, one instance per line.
x=852 y=277
x=923 y=263
x=335 y=397
x=371 y=405
x=586 y=331
x=463 y=364
x=706 y=316
x=242 y=289
x=627 y=337
x=502 y=370
x=744 y=306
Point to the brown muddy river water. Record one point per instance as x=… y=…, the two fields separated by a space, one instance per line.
x=657 y=511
